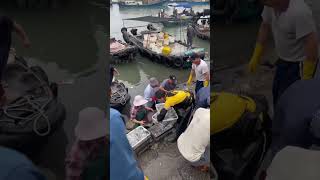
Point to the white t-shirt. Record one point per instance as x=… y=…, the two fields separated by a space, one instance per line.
x=200 y=70
x=289 y=29
x=193 y=142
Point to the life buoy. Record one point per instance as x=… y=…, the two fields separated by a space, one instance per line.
x=178 y=62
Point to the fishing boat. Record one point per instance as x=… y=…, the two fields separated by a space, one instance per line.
x=33 y=110
x=139 y=3
x=151 y=43
x=190 y=2
x=121 y=51
x=202 y=27
x=119 y=96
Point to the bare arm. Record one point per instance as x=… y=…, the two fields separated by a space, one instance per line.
x=162 y=89
x=116 y=71
x=207 y=76
x=263 y=33
x=22 y=34
x=311 y=47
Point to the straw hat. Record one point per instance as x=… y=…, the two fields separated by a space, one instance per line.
x=92 y=124
x=139 y=101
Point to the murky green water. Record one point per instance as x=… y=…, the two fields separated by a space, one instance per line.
x=135 y=75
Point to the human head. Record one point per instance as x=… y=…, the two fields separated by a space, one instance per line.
x=139 y=101
x=154 y=82
x=113 y=40
x=160 y=95
x=172 y=79
x=196 y=59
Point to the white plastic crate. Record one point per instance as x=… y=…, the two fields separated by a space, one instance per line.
x=138 y=136
x=170 y=116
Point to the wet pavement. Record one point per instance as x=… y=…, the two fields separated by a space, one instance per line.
x=163 y=161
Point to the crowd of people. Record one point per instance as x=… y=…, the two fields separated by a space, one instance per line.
x=193 y=110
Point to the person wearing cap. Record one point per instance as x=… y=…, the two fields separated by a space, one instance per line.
x=16 y=166
x=90 y=146
x=194 y=142
x=190 y=35
x=169 y=84
x=139 y=112
x=123 y=164
x=292 y=26
x=149 y=92
x=181 y=101
x=201 y=71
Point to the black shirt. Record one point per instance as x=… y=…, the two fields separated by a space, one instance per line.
x=6 y=27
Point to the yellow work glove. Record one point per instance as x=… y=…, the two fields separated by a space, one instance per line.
x=309 y=68
x=257 y=53
x=189 y=80
x=205 y=83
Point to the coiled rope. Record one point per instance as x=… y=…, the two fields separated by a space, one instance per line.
x=37 y=109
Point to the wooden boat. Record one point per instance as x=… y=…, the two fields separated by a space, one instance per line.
x=202 y=27
x=121 y=52
x=180 y=53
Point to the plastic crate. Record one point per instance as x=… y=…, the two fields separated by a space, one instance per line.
x=138 y=136
x=170 y=116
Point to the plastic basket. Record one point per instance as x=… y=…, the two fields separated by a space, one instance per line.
x=138 y=136
x=170 y=116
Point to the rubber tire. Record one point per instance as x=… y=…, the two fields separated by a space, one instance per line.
x=157 y=58
x=167 y=61
x=178 y=62
x=40 y=73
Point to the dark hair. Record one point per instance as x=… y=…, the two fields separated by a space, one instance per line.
x=160 y=94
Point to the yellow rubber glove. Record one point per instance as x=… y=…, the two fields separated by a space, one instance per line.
x=146 y=178
x=206 y=83
x=189 y=80
x=255 y=59
x=309 y=68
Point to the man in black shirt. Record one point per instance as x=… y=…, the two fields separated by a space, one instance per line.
x=7 y=25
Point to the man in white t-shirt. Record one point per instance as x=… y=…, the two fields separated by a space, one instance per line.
x=294 y=33
x=201 y=70
x=194 y=142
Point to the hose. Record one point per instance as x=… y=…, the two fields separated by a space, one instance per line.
x=37 y=109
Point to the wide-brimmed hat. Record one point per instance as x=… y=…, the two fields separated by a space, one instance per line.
x=139 y=101
x=153 y=82
x=92 y=124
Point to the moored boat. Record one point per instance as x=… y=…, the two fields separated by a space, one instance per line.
x=121 y=52
x=152 y=44
x=202 y=27
x=139 y=3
